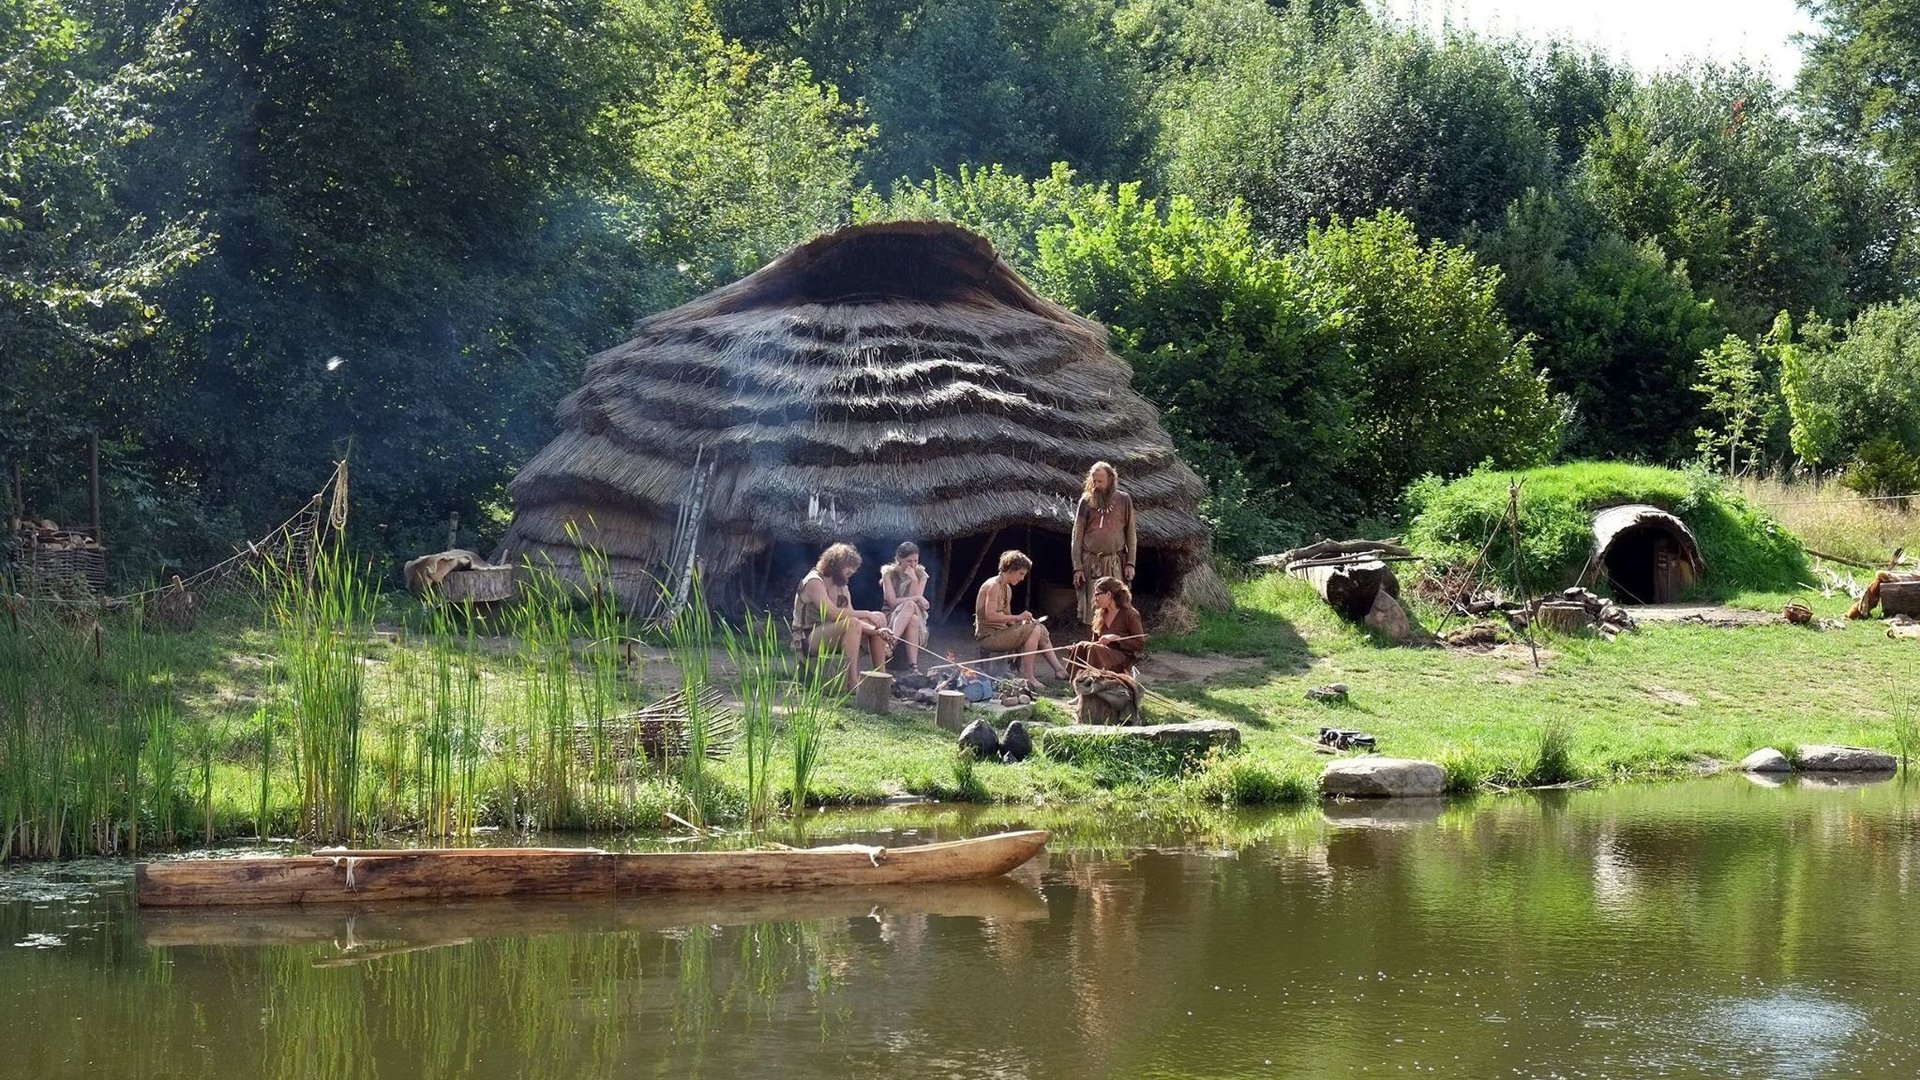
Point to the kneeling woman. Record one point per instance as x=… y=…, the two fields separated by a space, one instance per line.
x=1119 y=637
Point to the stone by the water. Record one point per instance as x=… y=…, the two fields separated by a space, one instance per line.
x=1383 y=778
x=1824 y=758
x=979 y=738
x=1766 y=759
x=1015 y=743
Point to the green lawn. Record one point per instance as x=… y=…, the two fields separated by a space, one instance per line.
x=1668 y=700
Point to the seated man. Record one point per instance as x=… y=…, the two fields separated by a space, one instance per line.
x=997 y=629
x=1119 y=636
x=823 y=611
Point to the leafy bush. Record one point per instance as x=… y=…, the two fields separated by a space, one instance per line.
x=1437 y=381
x=1844 y=395
x=1884 y=468
x=1743 y=548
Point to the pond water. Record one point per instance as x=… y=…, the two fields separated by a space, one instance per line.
x=1711 y=928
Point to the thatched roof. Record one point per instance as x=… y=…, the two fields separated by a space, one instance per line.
x=881 y=383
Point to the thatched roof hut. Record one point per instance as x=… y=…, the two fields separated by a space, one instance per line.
x=882 y=383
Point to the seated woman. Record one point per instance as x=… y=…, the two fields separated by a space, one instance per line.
x=903 y=584
x=996 y=628
x=1119 y=637
x=825 y=620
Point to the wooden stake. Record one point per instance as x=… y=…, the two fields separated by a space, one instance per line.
x=1520 y=566
x=93 y=483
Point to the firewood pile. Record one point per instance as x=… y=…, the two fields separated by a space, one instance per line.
x=659 y=731
x=1568 y=610
x=57 y=561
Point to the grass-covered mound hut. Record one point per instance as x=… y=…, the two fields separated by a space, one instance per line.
x=885 y=382
x=1642 y=534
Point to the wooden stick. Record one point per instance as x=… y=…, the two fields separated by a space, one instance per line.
x=971 y=574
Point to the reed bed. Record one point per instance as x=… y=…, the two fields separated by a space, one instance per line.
x=341 y=715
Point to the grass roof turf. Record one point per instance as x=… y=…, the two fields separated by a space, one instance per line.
x=1744 y=549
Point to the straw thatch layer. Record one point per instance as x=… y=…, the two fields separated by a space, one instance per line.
x=882 y=383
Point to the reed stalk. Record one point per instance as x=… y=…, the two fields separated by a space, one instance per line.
x=758 y=656
x=814 y=691
x=690 y=641
x=323 y=631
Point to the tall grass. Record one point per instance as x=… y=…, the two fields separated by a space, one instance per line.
x=760 y=659
x=1828 y=517
x=91 y=740
x=814 y=693
x=541 y=745
x=690 y=639
x=1553 y=757
x=323 y=633
x=1906 y=726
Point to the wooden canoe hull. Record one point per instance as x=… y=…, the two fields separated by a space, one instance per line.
x=470 y=873
x=1002 y=899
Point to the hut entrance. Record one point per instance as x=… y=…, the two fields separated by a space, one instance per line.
x=1643 y=554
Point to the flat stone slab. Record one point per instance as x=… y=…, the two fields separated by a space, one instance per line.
x=1823 y=758
x=1766 y=760
x=1374 y=777
x=1195 y=739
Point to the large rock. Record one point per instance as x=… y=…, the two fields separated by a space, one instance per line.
x=1016 y=744
x=1766 y=759
x=1821 y=758
x=1192 y=741
x=1383 y=777
x=979 y=740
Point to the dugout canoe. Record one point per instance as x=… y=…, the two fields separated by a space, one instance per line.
x=352 y=876
x=360 y=929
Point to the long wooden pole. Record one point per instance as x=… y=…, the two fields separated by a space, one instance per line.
x=954 y=601
x=93 y=483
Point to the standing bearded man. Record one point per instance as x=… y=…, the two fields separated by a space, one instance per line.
x=1105 y=543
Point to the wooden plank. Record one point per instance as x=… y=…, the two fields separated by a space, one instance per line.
x=349 y=876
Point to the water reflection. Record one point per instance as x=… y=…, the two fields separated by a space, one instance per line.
x=1715 y=928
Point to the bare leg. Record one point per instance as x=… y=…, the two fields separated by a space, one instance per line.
x=877 y=648
x=850 y=648
x=1038 y=642
x=915 y=628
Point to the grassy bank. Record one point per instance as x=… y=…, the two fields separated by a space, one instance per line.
x=155 y=739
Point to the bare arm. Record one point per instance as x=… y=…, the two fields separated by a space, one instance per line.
x=1133 y=541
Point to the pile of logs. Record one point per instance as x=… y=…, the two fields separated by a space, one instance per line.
x=1568 y=610
x=1354 y=577
x=660 y=730
x=57 y=561
x=48 y=535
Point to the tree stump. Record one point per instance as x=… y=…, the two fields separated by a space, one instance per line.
x=950 y=712
x=1900 y=597
x=875 y=693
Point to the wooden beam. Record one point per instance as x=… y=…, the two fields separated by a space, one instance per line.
x=967 y=582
